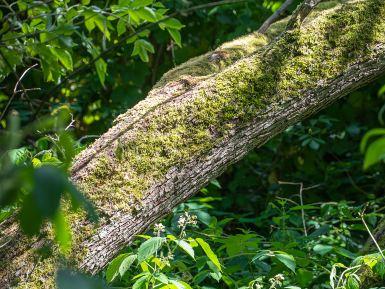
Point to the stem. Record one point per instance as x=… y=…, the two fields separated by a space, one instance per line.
x=371 y=235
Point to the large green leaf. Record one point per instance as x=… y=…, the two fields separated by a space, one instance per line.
x=304 y=277
x=62 y=231
x=72 y=280
x=64 y=57
x=370 y=134
x=210 y=254
x=286 y=259
x=119 y=266
x=186 y=247
x=175 y=34
x=375 y=153
x=149 y=248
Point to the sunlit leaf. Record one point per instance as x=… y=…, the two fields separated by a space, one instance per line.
x=149 y=248
x=186 y=247
x=210 y=254
x=62 y=231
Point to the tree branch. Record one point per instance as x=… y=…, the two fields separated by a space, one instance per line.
x=191 y=128
x=275 y=17
x=301 y=13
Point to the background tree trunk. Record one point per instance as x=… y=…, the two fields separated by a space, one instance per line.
x=199 y=119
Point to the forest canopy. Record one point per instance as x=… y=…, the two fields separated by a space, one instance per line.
x=192 y=144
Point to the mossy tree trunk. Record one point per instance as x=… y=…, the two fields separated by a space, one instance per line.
x=200 y=118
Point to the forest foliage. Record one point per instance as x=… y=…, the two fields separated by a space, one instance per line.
x=292 y=214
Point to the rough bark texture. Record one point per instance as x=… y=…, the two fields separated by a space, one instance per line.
x=199 y=119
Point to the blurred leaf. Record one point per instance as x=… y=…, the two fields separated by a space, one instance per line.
x=49 y=185
x=62 y=232
x=375 y=153
x=322 y=249
x=370 y=134
x=304 y=277
x=66 y=279
x=30 y=217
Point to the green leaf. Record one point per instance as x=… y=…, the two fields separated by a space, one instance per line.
x=210 y=254
x=379 y=269
x=186 y=247
x=62 y=232
x=161 y=278
x=126 y=264
x=64 y=57
x=352 y=283
x=147 y=14
x=101 y=23
x=375 y=153
x=140 y=3
x=175 y=34
x=121 y=27
x=113 y=268
x=93 y=19
x=140 y=283
x=180 y=284
x=101 y=69
x=89 y=20
x=368 y=135
x=304 y=277
x=345 y=253
x=171 y=23
x=149 y=248
x=215 y=274
x=141 y=47
x=287 y=260
x=322 y=249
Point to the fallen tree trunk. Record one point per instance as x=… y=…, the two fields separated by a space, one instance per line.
x=199 y=119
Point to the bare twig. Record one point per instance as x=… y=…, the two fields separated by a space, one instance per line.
x=28 y=89
x=275 y=17
x=362 y=216
x=301 y=13
x=301 y=189
x=22 y=76
x=71 y=124
x=18 y=82
x=88 y=136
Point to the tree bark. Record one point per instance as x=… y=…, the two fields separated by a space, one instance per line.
x=199 y=119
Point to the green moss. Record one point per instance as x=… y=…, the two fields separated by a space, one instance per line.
x=215 y=61
x=173 y=135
